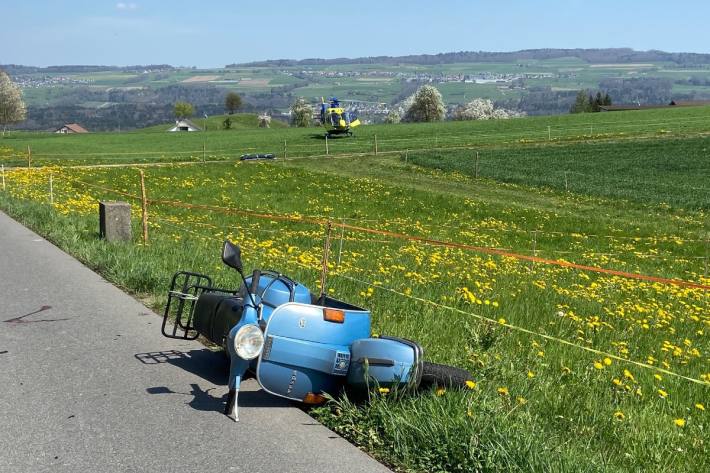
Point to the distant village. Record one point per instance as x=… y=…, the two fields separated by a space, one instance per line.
x=429 y=77
x=33 y=82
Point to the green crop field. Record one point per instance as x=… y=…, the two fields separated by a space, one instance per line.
x=573 y=369
x=313 y=81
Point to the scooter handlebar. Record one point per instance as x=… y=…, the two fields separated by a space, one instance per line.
x=255 y=281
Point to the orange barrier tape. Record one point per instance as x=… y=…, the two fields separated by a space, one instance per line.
x=445 y=244
x=534 y=259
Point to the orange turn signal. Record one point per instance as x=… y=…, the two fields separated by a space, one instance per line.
x=311 y=398
x=334 y=315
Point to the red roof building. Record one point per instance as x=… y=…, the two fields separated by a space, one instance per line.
x=71 y=128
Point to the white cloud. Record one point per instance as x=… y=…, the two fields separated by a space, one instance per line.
x=126 y=6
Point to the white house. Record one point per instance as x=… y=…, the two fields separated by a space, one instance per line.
x=185 y=125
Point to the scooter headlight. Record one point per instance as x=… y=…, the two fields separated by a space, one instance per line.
x=249 y=342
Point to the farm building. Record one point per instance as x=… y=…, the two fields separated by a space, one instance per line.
x=71 y=128
x=185 y=125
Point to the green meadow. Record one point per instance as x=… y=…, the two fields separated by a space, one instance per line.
x=573 y=369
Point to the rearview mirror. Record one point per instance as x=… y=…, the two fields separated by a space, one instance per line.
x=232 y=255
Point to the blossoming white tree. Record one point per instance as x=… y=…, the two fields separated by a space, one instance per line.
x=483 y=109
x=301 y=113
x=427 y=106
x=12 y=107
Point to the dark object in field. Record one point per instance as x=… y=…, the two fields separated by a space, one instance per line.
x=115 y=221
x=255 y=156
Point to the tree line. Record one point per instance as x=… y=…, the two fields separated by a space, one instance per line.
x=586 y=102
x=602 y=55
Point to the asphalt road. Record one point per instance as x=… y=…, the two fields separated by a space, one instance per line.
x=88 y=384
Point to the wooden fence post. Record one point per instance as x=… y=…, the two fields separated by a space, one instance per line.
x=326 y=252
x=476 y=164
x=144 y=208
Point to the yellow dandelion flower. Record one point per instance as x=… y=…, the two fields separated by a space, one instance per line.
x=531 y=374
x=700 y=407
x=521 y=400
x=679 y=422
x=658 y=377
x=598 y=365
x=501 y=321
x=662 y=393
x=607 y=361
x=440 y=392
x=503 y=391
x=617 y=382
x=470 y=384
x=627 y=374
x=384 y=390
x=494 y=304
x=618 y=415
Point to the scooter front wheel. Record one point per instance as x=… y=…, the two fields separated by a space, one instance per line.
x=444 y=376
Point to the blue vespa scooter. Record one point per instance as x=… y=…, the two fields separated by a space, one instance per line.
x=298 y=345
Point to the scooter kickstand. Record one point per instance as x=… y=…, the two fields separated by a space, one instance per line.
x=231 y=409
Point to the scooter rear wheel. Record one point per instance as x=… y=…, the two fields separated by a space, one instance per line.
x=444 y=376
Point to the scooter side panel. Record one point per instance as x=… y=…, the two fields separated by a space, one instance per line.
x=382 y=362
x=294 y=362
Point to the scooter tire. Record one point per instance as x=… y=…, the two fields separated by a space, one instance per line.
x=443 y=376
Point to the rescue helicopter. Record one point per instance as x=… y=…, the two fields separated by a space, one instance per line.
x=335 y=119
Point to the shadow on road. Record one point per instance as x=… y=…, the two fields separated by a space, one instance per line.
x=211 y=366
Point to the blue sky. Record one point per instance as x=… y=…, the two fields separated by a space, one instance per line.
x=211 y=33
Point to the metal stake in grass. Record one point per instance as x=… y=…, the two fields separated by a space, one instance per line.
x=342 y=236
x=2 y=167
x=284 y=149
x=204 y=152
x=51 y=188
x=29 y=157
x=534 y=248
x=326 y=251
x=376 y=150
x=476 y=164
x=707 y=250
x=326 y=145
